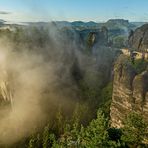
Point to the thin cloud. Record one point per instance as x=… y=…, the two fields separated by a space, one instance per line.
x=5 y=12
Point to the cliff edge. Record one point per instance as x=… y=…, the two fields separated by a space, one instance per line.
x=130 y=84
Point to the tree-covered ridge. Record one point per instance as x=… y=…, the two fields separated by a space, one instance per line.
x=97 y=134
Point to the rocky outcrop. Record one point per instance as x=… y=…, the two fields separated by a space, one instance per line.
x=130 y=91
x=92 y=36
x=5 y=91
x=138 y=40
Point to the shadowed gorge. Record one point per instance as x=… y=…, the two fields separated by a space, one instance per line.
x=40 y=72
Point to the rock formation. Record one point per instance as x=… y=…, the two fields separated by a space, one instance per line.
x=130 y=91
x=138 y=40
x=130 y=85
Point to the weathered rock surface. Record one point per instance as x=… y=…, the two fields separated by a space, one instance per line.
x=138 y=39
x=130 y=92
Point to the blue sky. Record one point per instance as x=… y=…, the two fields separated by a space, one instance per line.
x=71 y=10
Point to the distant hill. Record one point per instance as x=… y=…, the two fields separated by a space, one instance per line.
x=138 y=24
x=84 y=24
x=116 y=27
x=111 y=24
x=2 y=22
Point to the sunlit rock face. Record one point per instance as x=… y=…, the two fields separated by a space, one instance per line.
x=5 y=91
x=130 y=87
x=130 y=92
x=5 y=95
x=122 y=91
